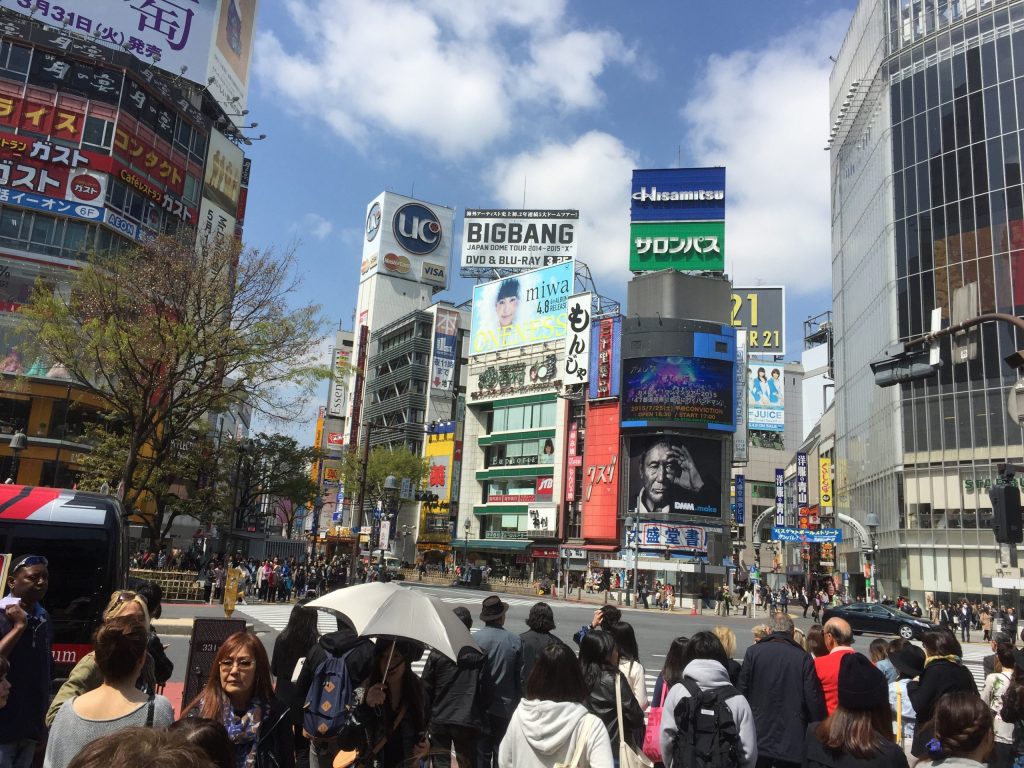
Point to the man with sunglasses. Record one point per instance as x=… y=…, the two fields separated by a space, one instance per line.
x=25 y=639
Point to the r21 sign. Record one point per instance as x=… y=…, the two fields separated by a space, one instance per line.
x=762 y=311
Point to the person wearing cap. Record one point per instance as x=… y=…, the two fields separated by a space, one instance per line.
x=859 y=731
x=943 y=672
x=25 y=639
x=908 y=661
x=838 y=639
x=504 y=651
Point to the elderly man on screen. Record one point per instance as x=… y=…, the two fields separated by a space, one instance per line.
x=669 y=477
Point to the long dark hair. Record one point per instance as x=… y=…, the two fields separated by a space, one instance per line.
x=625 y=640
x=595 y=648
x=299 y=635
x=556 y=676
x=672 y=671
x=411 y=687
x=858 y=733
x=961 y=723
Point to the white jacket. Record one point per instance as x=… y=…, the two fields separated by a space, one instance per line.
x=635 y=673
x=709 y=674
x=542 y=733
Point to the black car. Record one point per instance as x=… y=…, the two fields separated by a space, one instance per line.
x=876 y=618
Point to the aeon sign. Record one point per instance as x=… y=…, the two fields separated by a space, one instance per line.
x=417 y=229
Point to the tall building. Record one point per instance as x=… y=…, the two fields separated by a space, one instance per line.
x=105 y=142
x=927 y=103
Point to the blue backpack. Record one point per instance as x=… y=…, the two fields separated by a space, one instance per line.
x=328 y=703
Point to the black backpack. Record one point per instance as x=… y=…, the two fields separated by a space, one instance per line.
x=706 y=734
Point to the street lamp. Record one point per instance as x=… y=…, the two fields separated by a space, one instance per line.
x=19 y=441
x=390 y=494
x=872 y=522
x=633 y=525
x=318 y=505
x=465 y=541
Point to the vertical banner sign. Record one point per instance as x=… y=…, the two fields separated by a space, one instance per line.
x=825 y=492
x=573 y=462
x=801 y=480
x=576 y=360
x=780 y=497
x=446 y=334
x=740 y=504
x=604 y=382
x=357 y=394
x=337 y=401
x=740 y=453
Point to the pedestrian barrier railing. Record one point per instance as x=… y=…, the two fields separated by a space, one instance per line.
x=177 y=585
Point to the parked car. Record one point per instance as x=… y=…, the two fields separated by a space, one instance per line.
x=876 y=618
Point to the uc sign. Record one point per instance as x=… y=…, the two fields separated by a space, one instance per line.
x=762 y=311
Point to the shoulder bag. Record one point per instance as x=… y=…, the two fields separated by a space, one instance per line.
x=652 y=733
x=353 y=757
x=628 y=757
x=582 y=737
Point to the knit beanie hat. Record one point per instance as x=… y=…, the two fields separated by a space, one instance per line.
x=861 y=685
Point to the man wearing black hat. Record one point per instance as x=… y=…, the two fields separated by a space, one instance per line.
x=908 y=662
x=504 y=652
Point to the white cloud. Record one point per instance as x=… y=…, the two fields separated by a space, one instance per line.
x=451 y=73
x=315 y=225
x=592 y=174
x=763 y=114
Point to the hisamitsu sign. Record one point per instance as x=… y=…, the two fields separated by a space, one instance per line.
x=807 y=536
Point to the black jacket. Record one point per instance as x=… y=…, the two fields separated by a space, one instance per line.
x=940 y=676
x=457 y=694
x=359 y=662
x=533 y=644
x=778 y=678
x=275 y=742
x=816 y=756
x=163 y=667
x=601 y=702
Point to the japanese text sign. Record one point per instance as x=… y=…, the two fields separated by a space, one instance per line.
x=825 y=473
x=671 y=536
x=518 y=239
x=780 y=497
x=576 y=359
x=697 y=246
x=739 y=503
x=807 y=536
x=604 y=353
x=801 y=480
x=446 y=339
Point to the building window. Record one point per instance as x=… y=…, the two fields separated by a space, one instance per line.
x=14 y=60
x=98 y=132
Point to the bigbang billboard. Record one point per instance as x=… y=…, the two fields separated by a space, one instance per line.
x=695 y=391
x=518 y=239
x=675 y=475
x=529 y=308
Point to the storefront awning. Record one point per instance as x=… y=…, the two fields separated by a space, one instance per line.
x=428 y=546
x=599 y=547
x=492 y=545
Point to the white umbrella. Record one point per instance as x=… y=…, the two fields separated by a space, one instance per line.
x=383 y=608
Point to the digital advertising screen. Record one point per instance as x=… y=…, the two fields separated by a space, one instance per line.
x=673 y=474
x=692 y=391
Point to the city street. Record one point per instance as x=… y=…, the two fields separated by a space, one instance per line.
x=655 y=630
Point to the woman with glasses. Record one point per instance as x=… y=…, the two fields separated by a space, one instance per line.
x=86 y=676
x=239 y=696
x=120 y=652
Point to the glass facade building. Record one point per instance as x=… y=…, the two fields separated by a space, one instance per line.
x=928 y=214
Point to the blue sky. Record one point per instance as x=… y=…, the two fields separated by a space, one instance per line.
x=459 y=101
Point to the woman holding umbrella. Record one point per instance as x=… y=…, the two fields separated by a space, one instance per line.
x=388 y=725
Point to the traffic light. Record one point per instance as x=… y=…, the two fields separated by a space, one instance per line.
x=898 y=365
x=1006 y=514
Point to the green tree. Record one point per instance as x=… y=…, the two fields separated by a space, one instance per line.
x=168 y=332
x=383 y=461
x=277 y=468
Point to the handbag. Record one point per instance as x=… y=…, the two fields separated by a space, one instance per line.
x=352 y=757
x=628 y=757
x=573 y=761
x=652 y=733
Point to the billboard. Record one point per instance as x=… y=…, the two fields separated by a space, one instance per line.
x=762 y=312
x=529 y=308
x=216 y=228
x=825 y=485
x=671 y=474
x=576 y=357
x=439 y=455
x=446 y=349
x=520 y=377
x=518 y=239
x=223 y=178
x=695 y=246
x=605 y=342
x=337 y=399
x=196 y=40
x=407 y=239
x=695 y=391
x=678 y=194
x=766 y=397
x=740 y=453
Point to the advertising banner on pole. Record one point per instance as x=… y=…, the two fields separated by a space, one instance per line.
x=766 y=398
x=675 y=475
x=695 y=391
x=337 y=400
x=526 y=309
x=825 y=490
x=605 y=342
x=576 y=360
x=518 y=239
x=740 y=448
x=801 y=480
x=446 y=339
x=739 y=504
x=780 y=497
